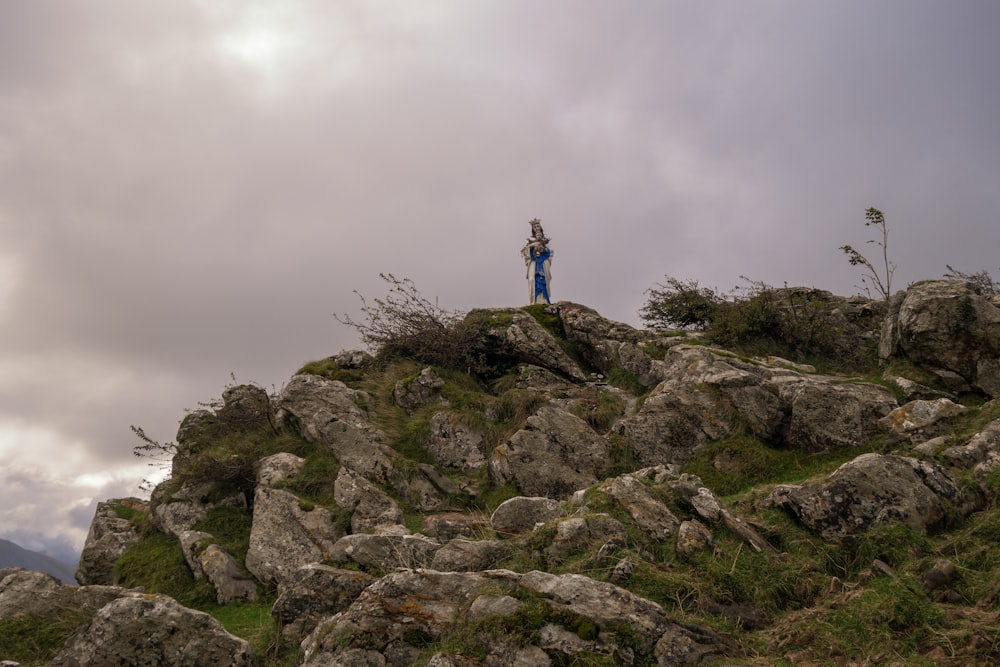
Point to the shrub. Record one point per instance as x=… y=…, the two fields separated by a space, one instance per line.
x=681 y=304
x=405 y=324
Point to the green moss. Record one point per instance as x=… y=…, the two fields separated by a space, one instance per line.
x=329 y=369
x=230 y=526
x=36 y=640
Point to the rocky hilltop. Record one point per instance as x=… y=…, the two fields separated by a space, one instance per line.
x=606 y=496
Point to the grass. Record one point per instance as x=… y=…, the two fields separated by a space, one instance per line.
x=35 y=640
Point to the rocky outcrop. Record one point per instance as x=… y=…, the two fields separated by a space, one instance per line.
x=312 y=593
x=522 y=514
x=555 y=454
x=873 y=490
x=949 y=329
x=138 y=629
x=287 y=534
x=602 y=473
x=570 y=614
x=109 y=535
x=414 y=393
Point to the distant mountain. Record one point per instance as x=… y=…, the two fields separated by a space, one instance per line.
x=12 y=555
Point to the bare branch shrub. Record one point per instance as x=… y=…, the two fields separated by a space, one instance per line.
x=405 y=324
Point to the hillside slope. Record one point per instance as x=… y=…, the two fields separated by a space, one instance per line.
x=590 y=494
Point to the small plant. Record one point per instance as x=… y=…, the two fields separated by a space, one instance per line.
x=881 y=278
x=405 y=324
x=982 y=281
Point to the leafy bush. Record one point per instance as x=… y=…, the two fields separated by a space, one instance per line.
x=679 y=303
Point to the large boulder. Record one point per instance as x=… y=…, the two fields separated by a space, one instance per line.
x=109 y=535
x=394 y=617
x=371 y=508
x=287 y=534
x=828 y=415
x=385 y=552
x=555 y=454
x=227 y=576
x=177 y=508
x=533 y=344
x=311 y=402
x=37 y=594
x=672 y=423
x=873 y=490
x=138 y=629
x=521 y=514
x=313 y=592
x=454 y=444
x=948 y=328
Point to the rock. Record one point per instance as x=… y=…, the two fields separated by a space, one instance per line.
x=193 y=543
x=583 y=532
x=648 y=511
x=460 y=555
x=286 y=534
x=33 y=593
x=915 y=391
x=827 y=416
x=555 y=454
x=385 y=551
x=609 y=606
x=414 y=393
x=920 y=419
x=536 y=378
x=231 y=582
x=874 y=490
x=313 y=592
x=353 y=359
x=977 y=449
x=405 y=604
x=245 y=407
x=521 y=514
x=278 y=468
x=370 y=507
x=946 y=325
x=941 y=574
x=139 y=629
x=693 y=536
x=454 y=444
x=672 y=423
x=175 y=509
x=601 y=341
x=708 y=507
x=450 y=525
x=360 y=450
x=311 y=402
x=108 y=538
x=532 y=343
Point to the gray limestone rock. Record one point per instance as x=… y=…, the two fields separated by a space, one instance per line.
x=461 y=555
x=414 y=393
x=827 y=416
x=874 y=490
x=287 y=534
x=107 y=539
x=521 y=514
x=648 y=511
x=555 y=454
x=454 y=444
x=920 y=419
x=533 y=344
x=141 y=630
x=385 y=551
x=312 y=593
x=227 y=576
x=945 y=325
x=370 y=507
x=278 y=468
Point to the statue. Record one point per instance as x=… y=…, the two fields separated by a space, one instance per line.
x=538 y=259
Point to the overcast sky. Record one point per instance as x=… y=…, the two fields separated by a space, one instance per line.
x=190 y=190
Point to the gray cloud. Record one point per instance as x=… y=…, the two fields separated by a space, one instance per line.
x=190 y=190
